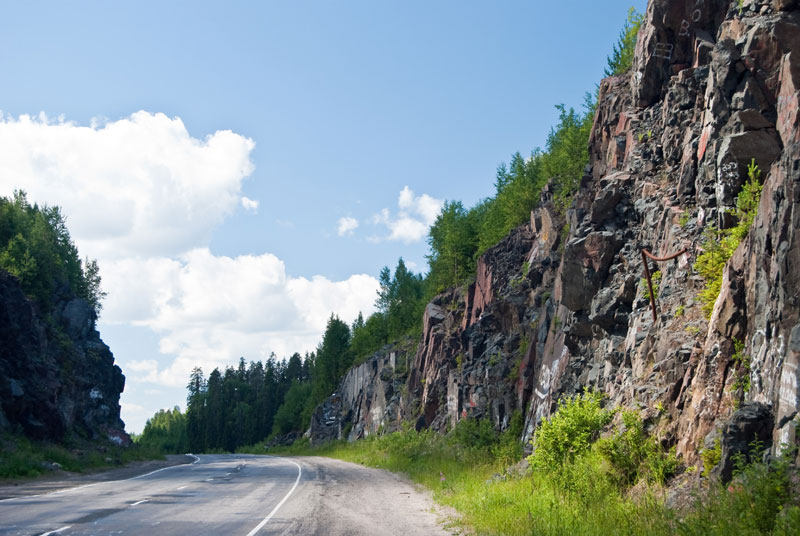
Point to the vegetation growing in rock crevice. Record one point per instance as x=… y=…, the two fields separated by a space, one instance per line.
x=719 y=245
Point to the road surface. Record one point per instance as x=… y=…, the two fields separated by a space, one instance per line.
x=232 y=495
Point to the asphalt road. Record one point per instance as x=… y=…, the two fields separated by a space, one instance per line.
x=233 y=495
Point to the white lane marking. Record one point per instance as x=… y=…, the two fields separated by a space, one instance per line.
x=274 y=510
x=57 y=530
x=183 y=487
x=140 y=502
x=196 y=459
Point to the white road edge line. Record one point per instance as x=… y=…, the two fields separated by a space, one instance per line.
x=274 y=510
x=196 y=459
x=140 y=502
x=57 y=530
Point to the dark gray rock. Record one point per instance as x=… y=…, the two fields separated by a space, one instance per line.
x=745 y=436
x=56 y=377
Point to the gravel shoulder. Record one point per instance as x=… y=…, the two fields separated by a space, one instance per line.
x=58 y=480
x=342 y=498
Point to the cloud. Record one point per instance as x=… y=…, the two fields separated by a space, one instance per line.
x=145 y=365
x=248 y=204
x=208 y=310
x=139 y=186
x=346 y=226
x=416 y=215
x=143 y=196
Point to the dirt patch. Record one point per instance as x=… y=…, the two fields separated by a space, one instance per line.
x=59 y=480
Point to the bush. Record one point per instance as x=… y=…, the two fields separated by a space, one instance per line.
x=632 y=454
x=719 y=246
x=761 y=499
x=570 y=431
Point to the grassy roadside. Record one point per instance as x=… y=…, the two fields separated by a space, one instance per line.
x=23 y=458
x=595 y=486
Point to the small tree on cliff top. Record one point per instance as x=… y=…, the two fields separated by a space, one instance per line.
x=621 y=58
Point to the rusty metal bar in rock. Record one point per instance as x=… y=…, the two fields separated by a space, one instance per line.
x=645 y=255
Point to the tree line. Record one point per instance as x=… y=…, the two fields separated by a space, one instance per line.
x=36 y=248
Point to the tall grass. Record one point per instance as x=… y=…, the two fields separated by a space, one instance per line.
x=590 y=493
x=22 y=458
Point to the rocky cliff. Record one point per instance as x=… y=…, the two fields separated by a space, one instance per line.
x=559 y=304
x=56 y=376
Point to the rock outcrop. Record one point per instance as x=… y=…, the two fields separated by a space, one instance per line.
x=57 y=377
x=559 y=305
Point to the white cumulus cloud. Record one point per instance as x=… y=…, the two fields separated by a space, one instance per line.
x=143 y=196
x=249 y=204
x=346 y=226
x=415 y=216
x=209 y=309
x=139 y=186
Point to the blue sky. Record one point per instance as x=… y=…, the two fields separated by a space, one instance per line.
x=217 y=244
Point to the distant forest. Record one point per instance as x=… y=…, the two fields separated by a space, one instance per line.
x=241 y=406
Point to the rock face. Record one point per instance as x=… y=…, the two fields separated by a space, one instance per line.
x=56 y=376
x=558 y=305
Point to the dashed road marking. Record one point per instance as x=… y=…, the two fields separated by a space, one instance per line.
x=62 y=529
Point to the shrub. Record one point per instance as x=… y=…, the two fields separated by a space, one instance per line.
x=655 y=279
x=711 y=457
x=570 y=431
x=632 y=454
x=719 y=245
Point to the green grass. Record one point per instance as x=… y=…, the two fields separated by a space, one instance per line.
x=23 y=458
x=590 y=493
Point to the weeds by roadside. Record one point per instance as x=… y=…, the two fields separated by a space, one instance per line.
x=596 y=486
x=23 y=458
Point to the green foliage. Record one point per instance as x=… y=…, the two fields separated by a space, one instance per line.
x=570 y=431
x=166 y=432
x=711 y=457
x=632 y=454
x=762 y=499
x=289 y=416
x=517 y=189
x=21 y=457
x=35 y=246
x=655 y=279
x=240 y=406
x=742 y=363
x=459 y=235
x=478 y=434
x=453 y=241
x=684 y=219
x=719 y=245
x=333 y=359
x=621 y=58
x=567 y=151
x=680 y=310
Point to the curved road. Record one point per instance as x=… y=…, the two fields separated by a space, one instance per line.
x=232 y=495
